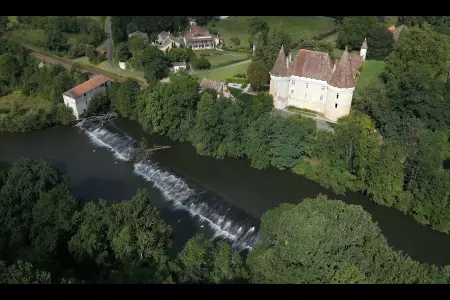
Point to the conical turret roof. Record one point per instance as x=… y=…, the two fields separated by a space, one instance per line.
x=343 y=76
x=364 y=44
x=280 y=68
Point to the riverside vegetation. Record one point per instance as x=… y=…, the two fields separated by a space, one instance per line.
x=401 y=168
x=48 y=236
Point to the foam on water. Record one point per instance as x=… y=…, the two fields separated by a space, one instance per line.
x=177 y=191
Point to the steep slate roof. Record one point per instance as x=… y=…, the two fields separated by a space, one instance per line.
x=312 y=64
x=343 y=76
x=211 y=84
x=86 y=86
x=356 y=62
x=397 y=32
x=364 y=44
x=280 y=66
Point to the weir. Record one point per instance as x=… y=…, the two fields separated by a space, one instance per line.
x=223 y=219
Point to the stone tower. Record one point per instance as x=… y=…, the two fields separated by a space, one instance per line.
x=363 y=50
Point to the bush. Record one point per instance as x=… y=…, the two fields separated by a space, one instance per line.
x=239 y=75
x=240 y=49
x=236 y=41
x=202 y=63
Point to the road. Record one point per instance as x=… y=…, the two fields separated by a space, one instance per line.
x=110 y=45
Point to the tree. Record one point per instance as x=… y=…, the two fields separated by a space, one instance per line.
x=170 y=108
x=51 y=225
x=202 y=262
x=323 y=241
x=98 y=102
x=276 y=39
x=205 y=134
x=257 y=142
x=54 y=39
x=419 y=47
x=19 y=193
x=3 y=23
x=124 y=53
x=178 y=54
x=201 y=63
x=257 y=75
x=22 y=273
x=257 y=25
x=380 y=42
x=126 y=97
x=354 y=30
x=290 y=139
x=386 y=178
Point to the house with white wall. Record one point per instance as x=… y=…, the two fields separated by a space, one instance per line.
x=78 y=98
x=312 y=81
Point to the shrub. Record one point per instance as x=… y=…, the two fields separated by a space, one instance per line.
x=236 y=80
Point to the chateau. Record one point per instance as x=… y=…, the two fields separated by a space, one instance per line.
x=313 y=82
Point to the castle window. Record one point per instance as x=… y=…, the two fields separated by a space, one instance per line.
x=306 y=95
x=335 y=105
x=306 y=85
x=293 y=82
x=292 y=91
x=323 y=88
x=321 y=97
x=337 y=96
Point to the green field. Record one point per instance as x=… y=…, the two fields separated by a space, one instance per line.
x=296 y=27
x=32 y=36
x=221 y=58
x=371 y=69
x=222 y=74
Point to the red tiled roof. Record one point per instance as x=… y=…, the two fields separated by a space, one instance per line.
x=312 y=64
x=195 y=30
x=280 y=67
x=392 y=28
x=344 y=75
x=86 y=86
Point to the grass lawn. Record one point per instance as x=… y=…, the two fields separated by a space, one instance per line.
x=22 y=101
x=371 y=69
x=222 y=58
x=296 y=27
x=222 y=74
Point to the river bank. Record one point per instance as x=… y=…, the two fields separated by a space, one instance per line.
x=221 y=197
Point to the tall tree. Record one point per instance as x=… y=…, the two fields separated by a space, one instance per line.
x=354 y=30
x=257 y=75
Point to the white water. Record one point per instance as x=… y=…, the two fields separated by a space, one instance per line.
x=177 y=191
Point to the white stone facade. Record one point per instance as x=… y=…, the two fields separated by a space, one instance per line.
x=311 y=94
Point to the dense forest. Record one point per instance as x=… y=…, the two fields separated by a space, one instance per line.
x=48 y=236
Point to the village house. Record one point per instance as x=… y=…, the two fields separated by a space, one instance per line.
x=179 y=66
x=165 y=41
x=219 y=86
x=78 y=98
x=198 y=38
x=313 y=82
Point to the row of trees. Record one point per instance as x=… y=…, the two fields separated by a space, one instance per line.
x=48 y=236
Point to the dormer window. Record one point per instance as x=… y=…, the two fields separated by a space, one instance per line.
x=337 y=96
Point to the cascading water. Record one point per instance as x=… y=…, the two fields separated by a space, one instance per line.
x=219 y=216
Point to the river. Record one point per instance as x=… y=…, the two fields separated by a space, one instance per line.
x=220 y=198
